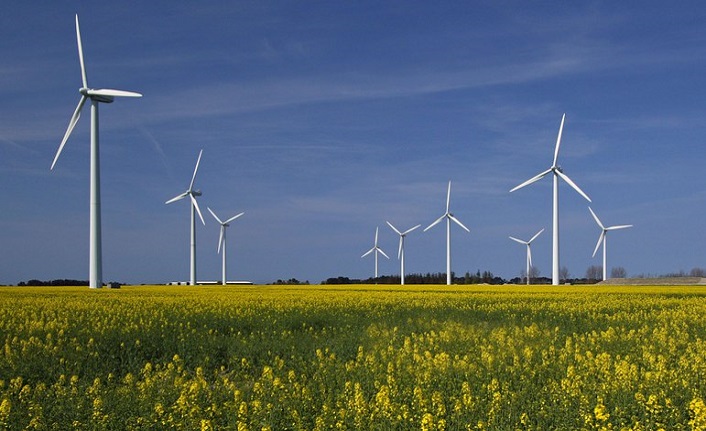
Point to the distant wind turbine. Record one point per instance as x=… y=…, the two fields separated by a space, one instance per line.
x=97 y=95
x=222 y=240
x=557 y=172
x=400 y=251
x=602 y=238
x=191 y=193
x=376 y=250
x=529 y=251
x=448 y=216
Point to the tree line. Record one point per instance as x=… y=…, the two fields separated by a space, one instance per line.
x=594 y=274
x=61 y=282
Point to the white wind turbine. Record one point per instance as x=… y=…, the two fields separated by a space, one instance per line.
x=529 y=251
x=448 y=216
x=377 y=250
x=191 y=193
x=602 y=238
x=96 y=95
x=400 y=251
x=222 y=240
x=557 y=172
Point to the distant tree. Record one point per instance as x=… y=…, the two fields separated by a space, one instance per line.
x=697 y=272
x=291 y=281
x=594 y=273
x=534 y=273
x=618 y=272
x=340 y=280
x=564 y=273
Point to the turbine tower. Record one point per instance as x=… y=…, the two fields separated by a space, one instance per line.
x=448 y=216
x=529 y=251
x=191 y=193
x=557 y=173
x=96 y=95
x=400 y=251
x=377 y=250
x=222 y=240
x=602 y=238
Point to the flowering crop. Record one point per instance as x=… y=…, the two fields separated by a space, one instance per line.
x=354 y=357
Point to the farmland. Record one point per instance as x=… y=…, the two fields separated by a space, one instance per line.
x=354 y=357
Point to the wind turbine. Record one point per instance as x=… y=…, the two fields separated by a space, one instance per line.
x=222 y=240
x=529 y=251
x=191 y=193
x=377 y=250
x=448 y=216
x=557 y=173
x=602 y=238
x=96 y=95
x=400 y=251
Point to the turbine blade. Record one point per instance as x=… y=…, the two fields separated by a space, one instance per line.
x=215 y=216
x=622 y=226
x=601 y=237
x=595 y=217
x=193 y=177
x=112 y=92
x=72 y=124
x=459 y=223
x=518 y=240
x=558 y=141
x=383 y=253
x=529 y=256
x=448 y=198
x=435 y=223
x=535 y=236
x=368 y=252
x=80 y=54
x=410 y=230
x=572 y=184
x=399 y=249
x=198 y=210
x=177 y=198
x=393 y=228
x=376 y=237
x=220 y=238
x=233 y=218
x=532 y=180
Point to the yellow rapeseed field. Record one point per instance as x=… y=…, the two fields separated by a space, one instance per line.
x=354 y=357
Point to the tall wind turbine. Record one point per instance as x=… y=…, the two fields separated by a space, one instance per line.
x=97 y=95
x=529 y=251
x=400 y=251
x=376 y=250
x=602 y=238
x=448 y=216
x=191 y=193
x=222 y=240
x=557 y=173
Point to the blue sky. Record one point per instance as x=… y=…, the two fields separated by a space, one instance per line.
x=322 y=120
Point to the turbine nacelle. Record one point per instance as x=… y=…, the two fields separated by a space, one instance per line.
x=86 y=92
x=106 y=95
